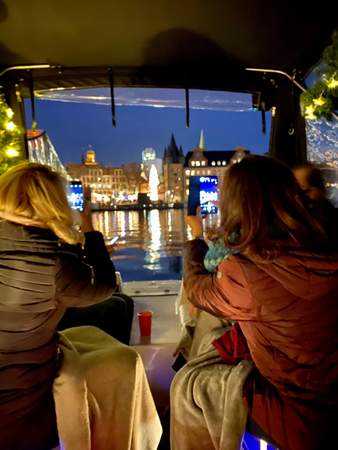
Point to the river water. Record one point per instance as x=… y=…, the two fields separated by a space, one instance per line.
x=150 y=242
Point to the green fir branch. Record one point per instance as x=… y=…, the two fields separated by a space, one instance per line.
x=321 y=99
x=11 y=137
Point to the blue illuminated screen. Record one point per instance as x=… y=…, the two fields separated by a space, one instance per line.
x=75 y=195
x=208 y=194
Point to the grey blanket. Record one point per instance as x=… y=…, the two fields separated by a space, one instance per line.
x=207 y=409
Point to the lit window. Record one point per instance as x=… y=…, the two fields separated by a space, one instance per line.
x=223 y=163
x=187 y=172
x=187 y=182
x=198 y=163
x=187 y=191
x=192 y=172
x=213 y=163
x=203 y=163
x=218 y=163
x=193 y=163
x=198 y=172
x=208 y=172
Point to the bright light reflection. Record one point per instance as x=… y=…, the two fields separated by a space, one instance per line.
x=153 y=183
x=106 y=227
x=263 y=445
x=96 y=222
x=100 y=222
x=155 y=238
x=169 y=218
x=121 y=221
x=134 y=221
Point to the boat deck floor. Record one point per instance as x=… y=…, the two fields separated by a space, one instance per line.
x=157 y=351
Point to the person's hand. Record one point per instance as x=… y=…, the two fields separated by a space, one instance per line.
x=111 y=248
x=86 y=219
x=196 y=224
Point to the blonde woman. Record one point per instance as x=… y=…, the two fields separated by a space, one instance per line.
x=46 y=265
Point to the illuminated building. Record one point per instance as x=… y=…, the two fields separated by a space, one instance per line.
x=90 y=157
x=133 y=173
x=209 y=162
x=108 y=185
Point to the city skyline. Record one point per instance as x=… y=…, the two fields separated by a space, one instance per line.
x=73 y=127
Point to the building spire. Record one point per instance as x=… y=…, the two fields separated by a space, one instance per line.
x=202 y=143
x=172 y=141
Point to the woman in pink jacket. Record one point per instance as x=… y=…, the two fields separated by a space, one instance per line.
x=282 y=288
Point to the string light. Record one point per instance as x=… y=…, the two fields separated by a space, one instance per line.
x=9 y=113
x=11 y=137
x=332 y=83
x=12 y=152
x=319 y=101
x=309 y=113
x=10 y=126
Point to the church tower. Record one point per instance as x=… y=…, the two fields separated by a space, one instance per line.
x=173 y=163
x=90 y=157
x=202 y=142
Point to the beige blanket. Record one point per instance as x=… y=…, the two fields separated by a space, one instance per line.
x=102 y=396
x=207 y=409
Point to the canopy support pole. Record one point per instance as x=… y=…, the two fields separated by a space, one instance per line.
x=288 y=130
x=25 y=67
x=112 y=96
x=263 y=118
x=32 y=99
x=187 y=108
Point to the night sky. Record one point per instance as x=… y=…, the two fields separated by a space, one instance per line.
x=72 y=127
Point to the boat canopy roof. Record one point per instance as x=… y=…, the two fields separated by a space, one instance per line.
x=196 y=44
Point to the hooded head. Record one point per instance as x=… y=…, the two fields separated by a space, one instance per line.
x=310 y=181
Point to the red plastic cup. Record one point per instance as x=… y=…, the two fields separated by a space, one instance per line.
x=144 y=320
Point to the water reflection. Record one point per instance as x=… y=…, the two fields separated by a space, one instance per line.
x=152 y=258
x=150 y=244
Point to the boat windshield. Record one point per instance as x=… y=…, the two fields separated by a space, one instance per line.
x=138 y=174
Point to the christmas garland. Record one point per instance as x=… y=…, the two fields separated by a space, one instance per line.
x=11 y=137
x=321 y=100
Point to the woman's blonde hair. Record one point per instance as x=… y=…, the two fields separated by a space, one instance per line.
x=32 y=194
